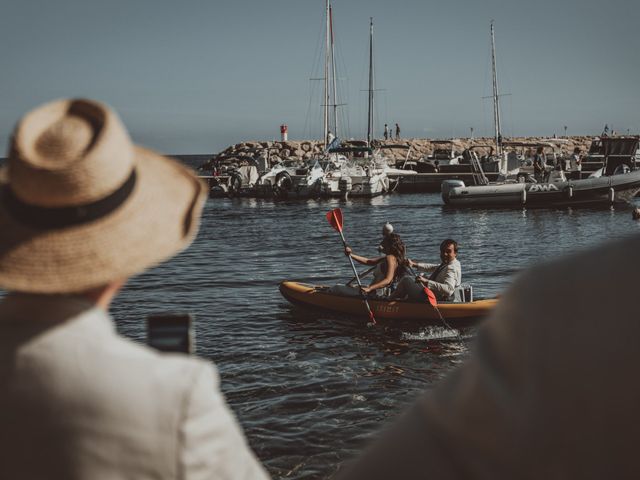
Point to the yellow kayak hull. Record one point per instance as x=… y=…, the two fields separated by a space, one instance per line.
x=319 y=297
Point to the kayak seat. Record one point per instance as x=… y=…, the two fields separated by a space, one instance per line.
x=463 y=293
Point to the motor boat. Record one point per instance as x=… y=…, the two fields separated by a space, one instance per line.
x=619 y=183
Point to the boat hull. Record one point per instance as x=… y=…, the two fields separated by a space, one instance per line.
x=601 y=191
x=319 y=297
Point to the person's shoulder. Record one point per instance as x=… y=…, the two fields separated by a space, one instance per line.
x=161 y=365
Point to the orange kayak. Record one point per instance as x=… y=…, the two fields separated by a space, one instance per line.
x=320 y=297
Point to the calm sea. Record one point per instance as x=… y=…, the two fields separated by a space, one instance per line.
x=309 y=389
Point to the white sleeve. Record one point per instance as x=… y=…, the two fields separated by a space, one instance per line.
x=445 y=288
x=426 y=267
x=212 y=442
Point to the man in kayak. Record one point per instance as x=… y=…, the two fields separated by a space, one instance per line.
x=548 y=390
x=444 y=277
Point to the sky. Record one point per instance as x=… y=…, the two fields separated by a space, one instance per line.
x=194 y=76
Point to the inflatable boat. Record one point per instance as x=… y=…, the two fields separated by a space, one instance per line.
x=320 y=297
x=619 y=182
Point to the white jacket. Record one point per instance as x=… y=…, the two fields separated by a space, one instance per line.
x=78 y=401
x=447 y=279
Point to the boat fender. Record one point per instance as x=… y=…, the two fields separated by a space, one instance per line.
x=235 y=182
x=218 y=191
x=612 y=195
x=570 y=191
x=447 y=186
x=345 y=184
x=283 y=181
x=523 y=196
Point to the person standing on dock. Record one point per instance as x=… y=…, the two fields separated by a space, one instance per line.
x=397 y=132
x=576 y=163
x=386 y=131
x=82 y=209
x=539 y=165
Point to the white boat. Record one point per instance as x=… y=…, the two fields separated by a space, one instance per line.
x=444 y=153
x=290 y=179
x=364 y=174
x=359 y=176
x=619 y=183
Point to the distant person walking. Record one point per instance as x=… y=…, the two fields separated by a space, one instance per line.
x=397 y=132
x=386 y=131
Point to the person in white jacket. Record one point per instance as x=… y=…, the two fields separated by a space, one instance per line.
x=444 y=277
x=82 y=209
x=549 y=390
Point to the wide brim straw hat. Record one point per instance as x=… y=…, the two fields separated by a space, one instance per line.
x=82 y=206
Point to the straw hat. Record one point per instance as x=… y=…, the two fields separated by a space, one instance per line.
x=81 y=205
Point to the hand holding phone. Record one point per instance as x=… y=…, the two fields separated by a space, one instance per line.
x=171 y=332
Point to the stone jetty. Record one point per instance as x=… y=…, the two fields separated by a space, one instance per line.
x=247 y=152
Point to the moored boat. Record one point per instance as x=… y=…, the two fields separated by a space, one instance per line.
x=619 y=183
x=320 y=297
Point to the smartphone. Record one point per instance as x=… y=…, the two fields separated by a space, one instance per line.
x=171 y=332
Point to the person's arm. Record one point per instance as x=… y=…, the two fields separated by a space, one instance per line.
x=423 y=267
x=211 y=443
x=447 y=286
x=361 y=259
x=392 y=265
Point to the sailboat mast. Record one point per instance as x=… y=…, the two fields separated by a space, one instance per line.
x=333 y=73
x=370 y=126
x=496 y=96
x=326 y=78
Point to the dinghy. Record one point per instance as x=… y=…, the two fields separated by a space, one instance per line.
x=619 y=182
x=320 y=297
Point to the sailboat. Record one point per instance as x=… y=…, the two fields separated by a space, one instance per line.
x=363 y=174
x=303 y=179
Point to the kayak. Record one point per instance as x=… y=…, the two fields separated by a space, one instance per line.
x=320 y=297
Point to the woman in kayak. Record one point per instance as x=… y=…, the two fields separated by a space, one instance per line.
x=392 y=264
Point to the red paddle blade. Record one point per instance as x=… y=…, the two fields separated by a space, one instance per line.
x=431 y=297
x=335 y=219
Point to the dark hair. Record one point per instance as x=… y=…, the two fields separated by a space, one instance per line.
x=447 y=242
x=576 y=150
x=392 y=244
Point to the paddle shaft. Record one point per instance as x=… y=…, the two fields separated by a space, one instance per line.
x=444 y=322
x=355 y=273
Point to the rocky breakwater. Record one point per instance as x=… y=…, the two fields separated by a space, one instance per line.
x=252 y=153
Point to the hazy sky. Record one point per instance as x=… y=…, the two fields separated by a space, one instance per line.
x=195 y=76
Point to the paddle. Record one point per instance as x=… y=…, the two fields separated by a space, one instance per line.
x=335 y=220
x=431 y=298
